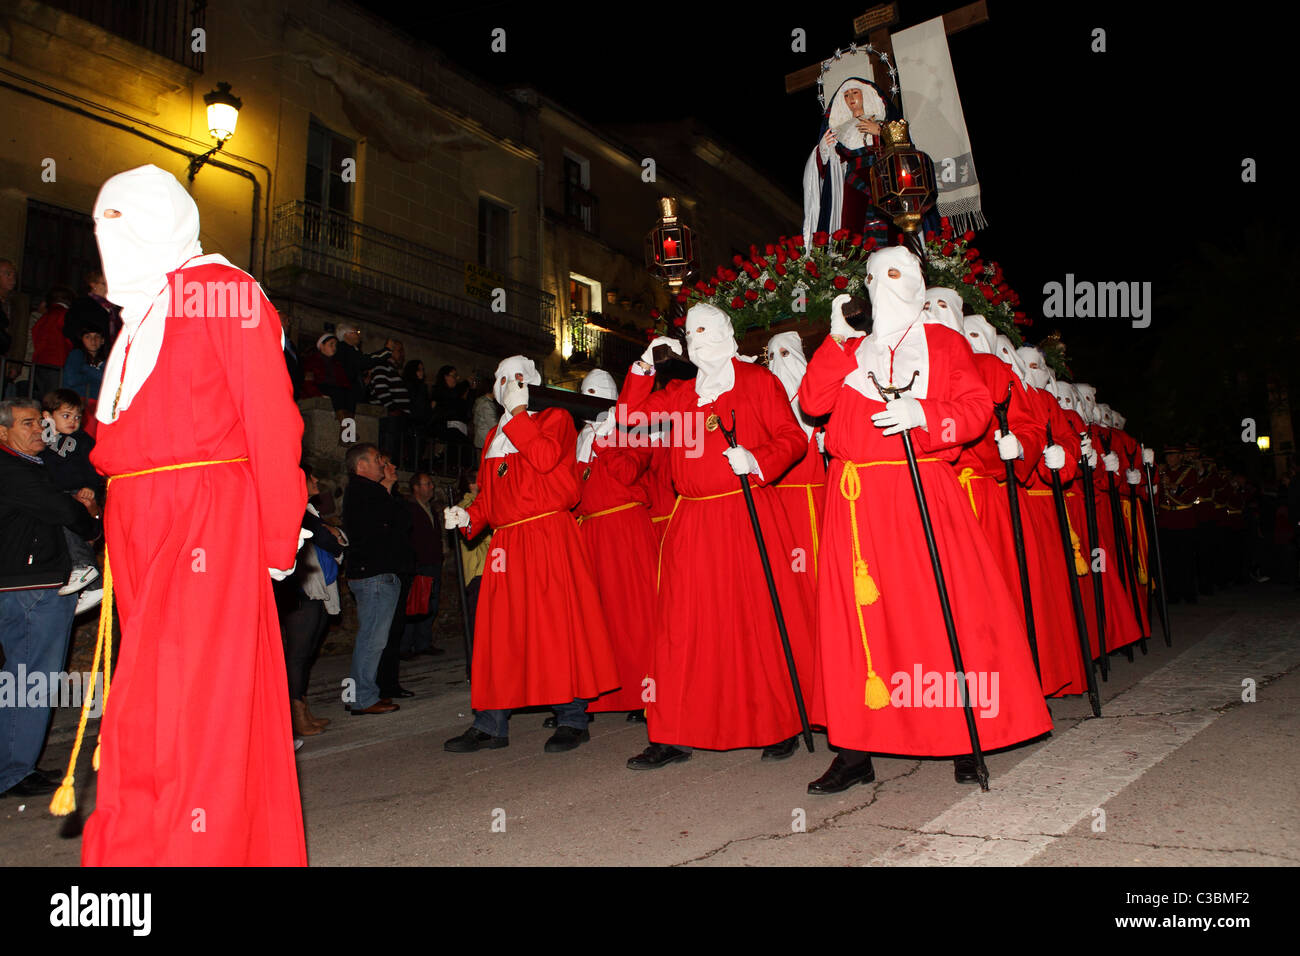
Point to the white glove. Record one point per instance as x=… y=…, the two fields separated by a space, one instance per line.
x=648 y=356
x=1085 y=447
x=840 y=325
x=455 y=517
x=1133 y=475
x=607 y=425
x=1111 y=460
x=1009 y=447
x=276 y=573
x=1054 y=457
x=1092 y=458
x=742 y=462
x=821 y=442
x=899 y=415
x=1148 y=456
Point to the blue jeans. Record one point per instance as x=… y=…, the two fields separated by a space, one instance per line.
x=376 y=603
x=497 y=722
x=35 y=627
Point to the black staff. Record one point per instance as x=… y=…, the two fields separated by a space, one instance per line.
x=1160 y=568
x=771 y=588
x=1080 y=619
x=1013 y=501
x=886 y=393
x=1122 y=546
x=464 y=597
x=1098 y=592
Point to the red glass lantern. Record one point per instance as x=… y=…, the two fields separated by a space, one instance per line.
x=670 y=246
x=902 y=179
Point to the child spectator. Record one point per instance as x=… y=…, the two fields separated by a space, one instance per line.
x=84 y=370
x=67 y=462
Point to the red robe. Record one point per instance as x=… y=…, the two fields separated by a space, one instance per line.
x=197 y=764
x=623 y=546
x=658 y=483
x=1130 y=457
x=904 y=625
x=539 y=635
x=720 y=676
x=1122 y=627
x=802 y=492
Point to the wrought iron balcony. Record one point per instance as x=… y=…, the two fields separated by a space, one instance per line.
x=160 y=26
x=450 y=301
x=599 y=348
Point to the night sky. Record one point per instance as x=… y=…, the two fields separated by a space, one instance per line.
x=1115 y=166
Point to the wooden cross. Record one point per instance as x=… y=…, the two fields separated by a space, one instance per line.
x=875 y=24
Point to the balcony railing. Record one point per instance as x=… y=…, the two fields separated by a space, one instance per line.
x=305 y=236
x=164 y=27
x=601 y=349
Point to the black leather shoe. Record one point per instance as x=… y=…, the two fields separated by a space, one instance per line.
x=841 y=775
x=34 y=784
x=656 y=756
x=474 y=739
x=636 y=717
x=566 y=738
x=965 y=769
x=398 y=692
x=782 y=750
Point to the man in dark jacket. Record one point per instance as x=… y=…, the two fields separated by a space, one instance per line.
x=355 y=364
x=377 y=526
x=35 y=620
x=426 y=537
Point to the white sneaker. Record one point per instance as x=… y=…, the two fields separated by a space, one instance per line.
x=88 y=599
x=80 y=577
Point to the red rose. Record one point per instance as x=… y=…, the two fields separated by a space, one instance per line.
x=760 y=262
x=780 y=254
x=701 y=286
x=840 y=282
x=855 y=239
x=943 y=221
x=839 y=235
x=988 y=291
x=769 y=249
x=968 y=235
x=797 y=242
x=971 y=255
x=1002 y=287
x=820 y=238
x=947 y=249
x=929 y=235
x=737 y=259
x=780 y=269
x=751 y=271
x=737 y=303
x=869 y=243
x=976 y=269
x=683 y=296
x=655 y=313
x=811 y=267
x=679 y=321
x=729 y=275
x=769 y=285
x=712 y=291
x=751 y=295
x=968 y=278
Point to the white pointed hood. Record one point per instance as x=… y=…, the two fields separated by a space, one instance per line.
x=599 y=384
x=787 y=362
x=146 y=225
x=897 y=331
x=981 y=336
x=944 y=307
x=508 y=369
x=712 y=350
x=1038 y=374
x=1087 y=397
x=1004 y=350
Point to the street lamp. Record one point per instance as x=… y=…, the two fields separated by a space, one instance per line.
x=223 y=114
x=1263 y=443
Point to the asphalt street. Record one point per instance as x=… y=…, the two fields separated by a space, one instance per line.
x=1180 y=771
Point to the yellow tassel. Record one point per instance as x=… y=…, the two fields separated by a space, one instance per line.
x=94 y=759
x=864 y=588
x=877 y=693
x=1080 y=565
x=65 y=798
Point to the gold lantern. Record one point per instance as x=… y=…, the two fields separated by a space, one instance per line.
x=902 y=179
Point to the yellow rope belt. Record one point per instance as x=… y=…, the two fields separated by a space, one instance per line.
x=669 y=517
x=1125 y=506
x=609 y=511
x=502 y=527
x=965 y=478
x=876 y=694
x=660 y=518
x=65 y=799
x=1080 y=565
x=812 y=516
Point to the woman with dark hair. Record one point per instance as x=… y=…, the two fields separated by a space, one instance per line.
x=448 y=407
x=84 y=370
x=323 y=374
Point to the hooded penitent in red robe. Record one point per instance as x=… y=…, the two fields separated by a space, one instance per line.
x=720 y=676
x=614 y=522
x=872 y=517
x=540 y=636
x=196 y=751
